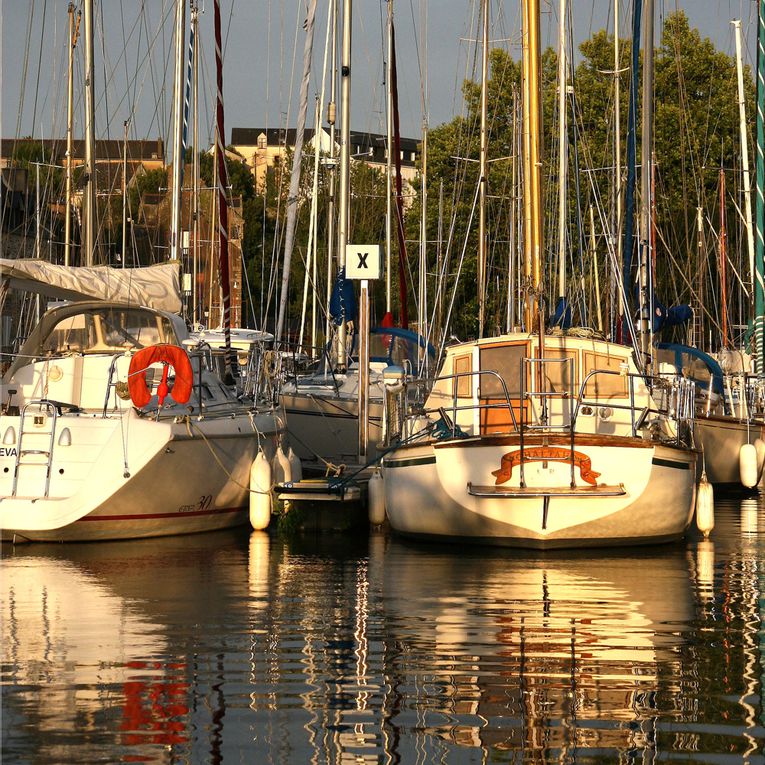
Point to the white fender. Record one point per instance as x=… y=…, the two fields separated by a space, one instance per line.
x=747 y=466
x=282 y=468
x=705 y=506
x=260 y=492
x=376 y=498
x=296 y=466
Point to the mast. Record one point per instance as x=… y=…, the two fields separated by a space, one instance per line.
x=402 y=257
x=294 y=190
x=759 y=287
x=645 y=188
x=90 y=141
x=423 y=272
x=389 y=160
x=124 y=194
x=38 y=228
x=596 y=274
x=195 y=169
x=482 y=172
x=225 y=282
x=532 y=176
x=723 y=265
x=617 y=173
x=175 y=216
x=331 y=120
x=345 y=175
x=73 y=33
x=562 y=140
x=744 y=149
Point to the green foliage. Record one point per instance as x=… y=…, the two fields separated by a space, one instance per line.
x=695 y=134
x=28 y=155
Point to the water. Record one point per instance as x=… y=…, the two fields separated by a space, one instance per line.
x=238 y=647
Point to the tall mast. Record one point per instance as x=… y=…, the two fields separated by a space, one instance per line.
x=180 y=40
x=645 y=187
x=69 y=136
x=482 y=172
x=423 y=272
x=220 y=132
x=723 y=265
x=617 y=227
x=389 y=160
x=124 y=194
x=294 y=190
x=744 y=149
x=532 y=176
x=402 y=256
x=90 y=140
x=345 y=175
x=195 y=169
x=38 y=222
x=332 y=120
x=562 y=141
x=759 y=287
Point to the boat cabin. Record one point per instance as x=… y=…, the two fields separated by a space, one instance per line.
x=497 y=384
x=79 y=355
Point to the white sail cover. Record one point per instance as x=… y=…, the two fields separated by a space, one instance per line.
x=153 y=286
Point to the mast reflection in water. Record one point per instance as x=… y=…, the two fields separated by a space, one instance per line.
x=238 y=647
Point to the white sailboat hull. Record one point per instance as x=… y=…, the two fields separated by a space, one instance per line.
x=326 y=428
x=128 y=477
x=721 y=439
x=644 y=493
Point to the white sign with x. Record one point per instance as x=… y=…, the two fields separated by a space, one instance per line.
x=363 y=261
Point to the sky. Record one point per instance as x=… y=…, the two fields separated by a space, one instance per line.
x=263 y=41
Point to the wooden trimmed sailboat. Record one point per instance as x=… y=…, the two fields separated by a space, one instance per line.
x=543 y=439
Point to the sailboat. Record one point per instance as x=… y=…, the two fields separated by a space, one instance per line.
x=322 y=406
x=537 y=439
x=729 y=426
x=114 y=424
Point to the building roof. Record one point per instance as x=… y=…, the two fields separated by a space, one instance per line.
x=105 y=149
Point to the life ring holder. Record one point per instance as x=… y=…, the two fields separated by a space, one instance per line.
x=169 y=356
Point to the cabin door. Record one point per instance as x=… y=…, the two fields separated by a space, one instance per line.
x=506 y=359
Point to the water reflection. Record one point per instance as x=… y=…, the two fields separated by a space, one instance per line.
x=90 y=659
x=540 y=653
x=248 y=647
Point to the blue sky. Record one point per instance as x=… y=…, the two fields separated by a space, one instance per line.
x=264 y=44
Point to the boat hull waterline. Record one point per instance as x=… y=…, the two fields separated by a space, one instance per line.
x=462 y=490
x=169 y=477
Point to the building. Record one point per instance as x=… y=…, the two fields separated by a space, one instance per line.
x=148 y=154
x=263 y=148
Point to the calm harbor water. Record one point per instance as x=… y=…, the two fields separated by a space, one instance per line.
x=240 y=647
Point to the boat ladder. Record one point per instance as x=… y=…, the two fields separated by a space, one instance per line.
x=43 y=415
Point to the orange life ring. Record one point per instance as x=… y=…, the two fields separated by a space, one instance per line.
x=169 y=355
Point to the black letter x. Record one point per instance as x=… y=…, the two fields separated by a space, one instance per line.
x=363 y=260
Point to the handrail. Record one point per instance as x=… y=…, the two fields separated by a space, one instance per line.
x=478 y=372
x=680 y=396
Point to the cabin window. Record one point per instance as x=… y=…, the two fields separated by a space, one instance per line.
x=559 y=376
x=109 y=329
x=464 y=385
x=507 y=361
x=604 y=385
